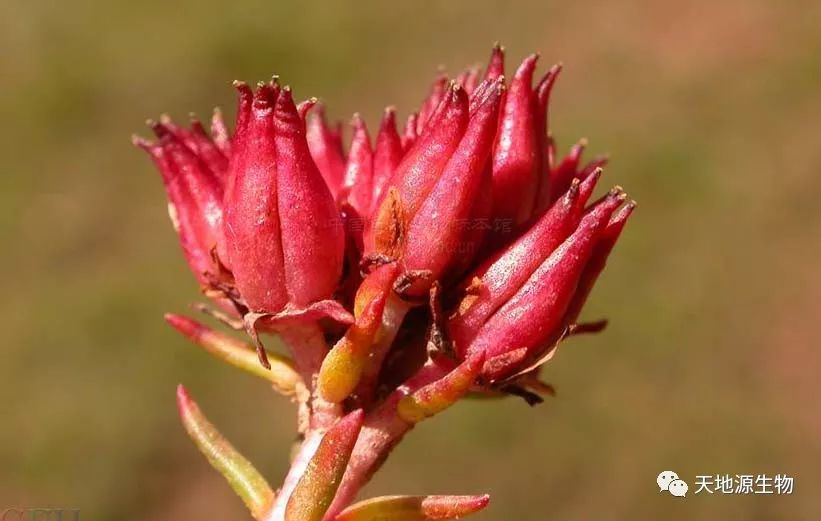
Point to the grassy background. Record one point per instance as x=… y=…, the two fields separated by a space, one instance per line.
x=711 y=114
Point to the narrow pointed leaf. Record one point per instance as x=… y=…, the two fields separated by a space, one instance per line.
x=414 y=508
x=441 y=394
x=317 y=487
x=342 y=367
x=246 y=481
x=282 y=374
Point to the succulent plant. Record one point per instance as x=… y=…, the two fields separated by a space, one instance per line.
x=401 y=274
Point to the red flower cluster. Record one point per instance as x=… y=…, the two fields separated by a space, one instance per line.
x=452 y=257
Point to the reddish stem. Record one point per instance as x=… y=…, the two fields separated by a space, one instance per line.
x=383 y=429
x=298 y=466
x=392 y=317
x=308 y=349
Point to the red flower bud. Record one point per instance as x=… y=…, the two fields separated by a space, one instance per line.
x=437 y=232
x=284 y=235
x=387 y=153
x=194 y=191
x=409 y=134
x=515 y=305
x=325 y=144
x=496 y=65
x=522 y=151
x=516 y=156
x=424 y=218
x=437 y=93
x=358 y=181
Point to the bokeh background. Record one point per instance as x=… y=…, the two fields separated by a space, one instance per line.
x=710 y=111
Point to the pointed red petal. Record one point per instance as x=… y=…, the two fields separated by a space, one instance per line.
x=326 y=149
x=387 y=153
x=517 y=156
x=313 y=240
x=359 y=170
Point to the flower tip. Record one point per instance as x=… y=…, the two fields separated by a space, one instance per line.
x=160 y=128
x=620 y=219
x=615 y=191
x=528 y=65
x=305 y=107
x=388 y=119
x=263 y=97
x=624 y=212
x=140 y=142
x=496 y=65
x=320 y=108
x=245 y=92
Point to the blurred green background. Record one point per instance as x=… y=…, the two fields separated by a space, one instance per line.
x=710 y=111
